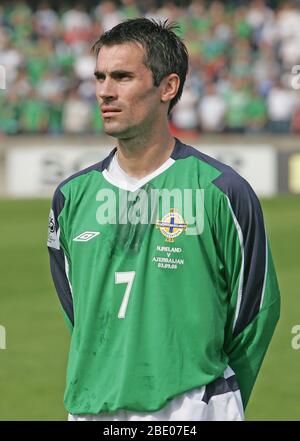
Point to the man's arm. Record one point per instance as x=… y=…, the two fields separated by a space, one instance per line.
x=253 y=293
x=59 y=259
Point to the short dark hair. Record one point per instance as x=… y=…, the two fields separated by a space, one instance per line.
x=165 y=51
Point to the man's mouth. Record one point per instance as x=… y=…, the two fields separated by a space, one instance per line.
x=108 y=111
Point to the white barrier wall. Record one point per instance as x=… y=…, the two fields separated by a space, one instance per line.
x=35 y=172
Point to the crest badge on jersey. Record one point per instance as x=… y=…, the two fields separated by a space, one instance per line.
x=171 y=225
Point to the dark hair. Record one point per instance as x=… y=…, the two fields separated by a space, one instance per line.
x=165 y=51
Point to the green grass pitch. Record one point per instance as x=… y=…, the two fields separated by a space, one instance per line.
x=32 y=367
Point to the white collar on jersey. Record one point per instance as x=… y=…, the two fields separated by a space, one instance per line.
x=116 y=176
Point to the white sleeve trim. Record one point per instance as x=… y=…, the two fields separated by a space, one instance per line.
x=265 y=276
x=67 y=273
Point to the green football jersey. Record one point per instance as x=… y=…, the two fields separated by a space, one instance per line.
x=163 y=286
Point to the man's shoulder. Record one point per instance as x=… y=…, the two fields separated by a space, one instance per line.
x=224 y=177
x=183 y=151
x=98 y=167
x=225 y=185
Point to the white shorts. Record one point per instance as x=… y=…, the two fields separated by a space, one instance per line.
x=219 y=401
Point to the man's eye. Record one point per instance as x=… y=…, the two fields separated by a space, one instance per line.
x=123 y=77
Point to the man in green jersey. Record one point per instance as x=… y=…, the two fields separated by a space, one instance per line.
x=159 y=255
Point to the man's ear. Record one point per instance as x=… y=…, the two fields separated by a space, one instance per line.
x=169 y=87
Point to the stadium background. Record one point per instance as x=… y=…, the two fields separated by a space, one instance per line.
x=240 y=103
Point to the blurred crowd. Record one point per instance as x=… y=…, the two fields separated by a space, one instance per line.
x=240 y=77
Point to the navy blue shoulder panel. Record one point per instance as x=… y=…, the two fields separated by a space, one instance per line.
x=99 y=166
x=183 y=151
x=58 y=200
x=247 y=211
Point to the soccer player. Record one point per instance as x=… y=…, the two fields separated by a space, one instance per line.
x=158 y=254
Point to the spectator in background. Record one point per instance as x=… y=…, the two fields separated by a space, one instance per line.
x=199 y=18
x=257 y=112
x=211 y=110
x=129 y=9
x=39 y=59
x=11 y=58
x=184 y=115
x=265 y=68
x=220 y=22
x=108 y=14
x=84 y=65
x=77 y=25
x=18 y=19
x=46 y=21
x=289 y=33
x=55 y=111
x=76 y=114
x=258 y=14
x=281 y=104
x=76 y=19
x=242 y=28
x=33 y=114
x=22 y=85
x=9 y=114
x=151 y=10
x=237 y=100
x=49 y=85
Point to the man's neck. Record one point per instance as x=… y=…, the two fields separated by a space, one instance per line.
x=140 y=157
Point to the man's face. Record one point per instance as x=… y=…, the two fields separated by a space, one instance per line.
x=128 y=99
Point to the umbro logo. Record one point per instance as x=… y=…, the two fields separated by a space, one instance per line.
x=87 y=235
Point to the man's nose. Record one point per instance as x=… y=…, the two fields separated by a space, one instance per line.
x=106 y=89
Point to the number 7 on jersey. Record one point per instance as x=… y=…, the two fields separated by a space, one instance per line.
x=126 y=277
